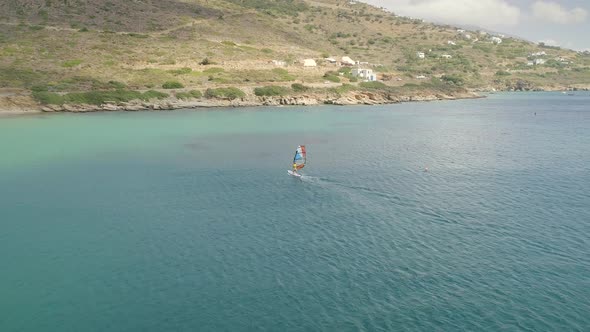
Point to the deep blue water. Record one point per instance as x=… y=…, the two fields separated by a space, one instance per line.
x=187 y=220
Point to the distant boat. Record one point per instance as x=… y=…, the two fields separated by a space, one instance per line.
x=298 y=161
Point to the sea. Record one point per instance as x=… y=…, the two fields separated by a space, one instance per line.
x=468 y=215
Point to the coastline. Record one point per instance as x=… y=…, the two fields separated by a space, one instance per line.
x=24 y=104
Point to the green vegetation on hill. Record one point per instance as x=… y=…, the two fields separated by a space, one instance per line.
x=272 y=90
x=95 y=97
x=70 y=46
x=193 y=94
x=230 y=93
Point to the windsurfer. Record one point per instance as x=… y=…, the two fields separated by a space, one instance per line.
x=298 y=160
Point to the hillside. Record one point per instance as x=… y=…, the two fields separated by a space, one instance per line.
x=78 y=45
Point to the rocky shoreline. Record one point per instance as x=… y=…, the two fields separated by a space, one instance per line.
x=25 y=104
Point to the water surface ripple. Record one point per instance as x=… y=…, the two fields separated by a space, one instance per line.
x=185 y=221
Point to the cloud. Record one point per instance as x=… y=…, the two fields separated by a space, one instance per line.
x=555 y=13
x=491 y=13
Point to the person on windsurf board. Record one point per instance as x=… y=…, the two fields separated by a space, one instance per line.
x=299 y=160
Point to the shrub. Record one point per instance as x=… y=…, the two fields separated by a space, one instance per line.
x=298 y=87
x=283 y=74
x=230 y=93
x=272 y=90
x=373 y=85
x=116 y=85
x=39 y=88
x=502 y=73
x=96 y=97
x=193 y=94
x=71 y=63
x=172 y=85
x=205 y=62
x=48 y=98
x=181 y=71
x=151 y=94
x=345 y=88
x=345 y=70
x=213 y=70
x=457 y=80
x=332 y=76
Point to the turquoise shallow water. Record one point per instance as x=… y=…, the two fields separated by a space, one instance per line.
x=186 y=220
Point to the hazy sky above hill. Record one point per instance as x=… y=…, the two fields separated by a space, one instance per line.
x=557 y=22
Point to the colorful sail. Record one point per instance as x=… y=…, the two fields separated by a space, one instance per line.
x=300 y=158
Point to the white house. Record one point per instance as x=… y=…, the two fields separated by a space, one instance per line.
x=446 y=56
x=460 y=31
x=420 y=77
x=530 y=63
x=539 y=53
x=346 y=61
x=563 y=60
x=330 y=60
x=364 y=73
x=496 y=40
x=450 y=42
x=420 y=55
x=279 y=63
x=309 y=63
x=539 y=61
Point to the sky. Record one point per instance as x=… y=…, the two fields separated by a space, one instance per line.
x=564 y=23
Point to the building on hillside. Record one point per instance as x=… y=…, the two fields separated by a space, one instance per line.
x=563 y=61
x=309 y=63
x=446 y=56
x=530 y=63
x=496 y=40
x=467 y=36
x=420 y=55
x=367 y=74
x=460 y=31
x=539 y=61
x=330 y=60
x=450 y=42
x=542 y=53
x=346 y=61
x=279 y=63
